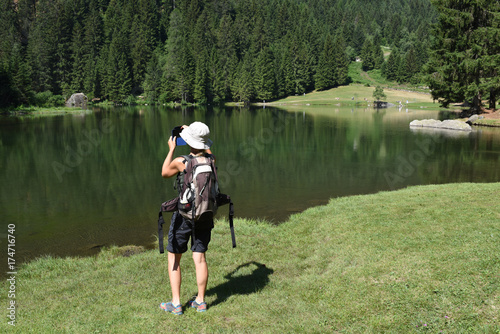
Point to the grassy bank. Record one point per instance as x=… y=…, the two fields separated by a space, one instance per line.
x=358 y=95
x=422 y=259
x=45 y=111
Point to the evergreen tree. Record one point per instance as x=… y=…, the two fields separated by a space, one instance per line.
x=7 y=93
x=9 y=31
x=464 y=60
x=300 y=69
x=118 y=79
x=227 y=60
x=392 y=66
x=201 y=42
x=285 y=77
x=326 y=71
x=378 y=56
x=412 y=65
x=143 y=41
x=180 y=68
x=153 y=77
x=41 y=48
x=215 y=75
x=242 y=88
x=201 y=89
x=264 y=75
x=342 y=61
x=15 y=84
x=62 y=27
x=78 y=60
x=402 y=70
x=93 y=41
x=367 y=56
x=358 y=39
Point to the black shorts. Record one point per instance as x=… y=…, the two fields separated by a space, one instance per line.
x=181 y=230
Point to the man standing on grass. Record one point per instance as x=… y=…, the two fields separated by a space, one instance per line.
x=181 y=229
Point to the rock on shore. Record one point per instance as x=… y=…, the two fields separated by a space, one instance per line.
x=77 y=100
x=446 y=124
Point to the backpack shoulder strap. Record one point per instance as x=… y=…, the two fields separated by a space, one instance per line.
x=187 y=158
x=180 y=176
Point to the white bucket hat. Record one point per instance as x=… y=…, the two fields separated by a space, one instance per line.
x=196 y=136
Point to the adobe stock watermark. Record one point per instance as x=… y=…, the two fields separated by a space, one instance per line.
x=74 y=155
x=12 y=273
x=407 y=165
x=250 y=148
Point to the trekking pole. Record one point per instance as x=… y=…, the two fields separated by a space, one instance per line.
x=231 y=226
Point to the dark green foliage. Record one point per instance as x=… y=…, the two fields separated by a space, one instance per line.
x=379 y=94
x=7 y=94
x=391 y=69
x=199 y=50
x=378 y=56
x=367 y=55
x=465 y=58
x=326 y=71
x=47 y=99
x=342 y=60
x=264 y=75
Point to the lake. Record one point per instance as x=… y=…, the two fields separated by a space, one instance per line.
x=76 y=182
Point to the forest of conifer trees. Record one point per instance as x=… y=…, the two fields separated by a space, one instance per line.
x=202 y=51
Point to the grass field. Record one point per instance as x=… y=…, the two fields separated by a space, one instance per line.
x=357 y=94
x=360 y=92
x=421 y=259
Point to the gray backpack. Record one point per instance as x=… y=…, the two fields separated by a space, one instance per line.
x=198 y=189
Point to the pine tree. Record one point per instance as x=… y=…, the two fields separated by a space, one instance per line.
x=412 y=65
x=15 y=84
x=61 y=58
x=153 y=77
x=215 y=75
x=243 y=87
x=201 y=42
x=392 y=65
x=342 y=61
x=117 y=81
x=326 y=71
x=41 y=49
x=93 y=41
x=284 y=75
x=367 y=55
x=464 y=61
x=264 y=75
x=78 y=60
x=180 y=67
x=378 y=56
x=142 y=39
x=227 y=60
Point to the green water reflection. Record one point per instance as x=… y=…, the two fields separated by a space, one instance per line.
x=73 y=183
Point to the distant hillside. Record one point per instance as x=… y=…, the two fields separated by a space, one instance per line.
x=197 y=51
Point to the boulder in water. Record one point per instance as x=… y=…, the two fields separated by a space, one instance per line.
x=450 y=124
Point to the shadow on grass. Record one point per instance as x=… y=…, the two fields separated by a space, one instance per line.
x=241 y=284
